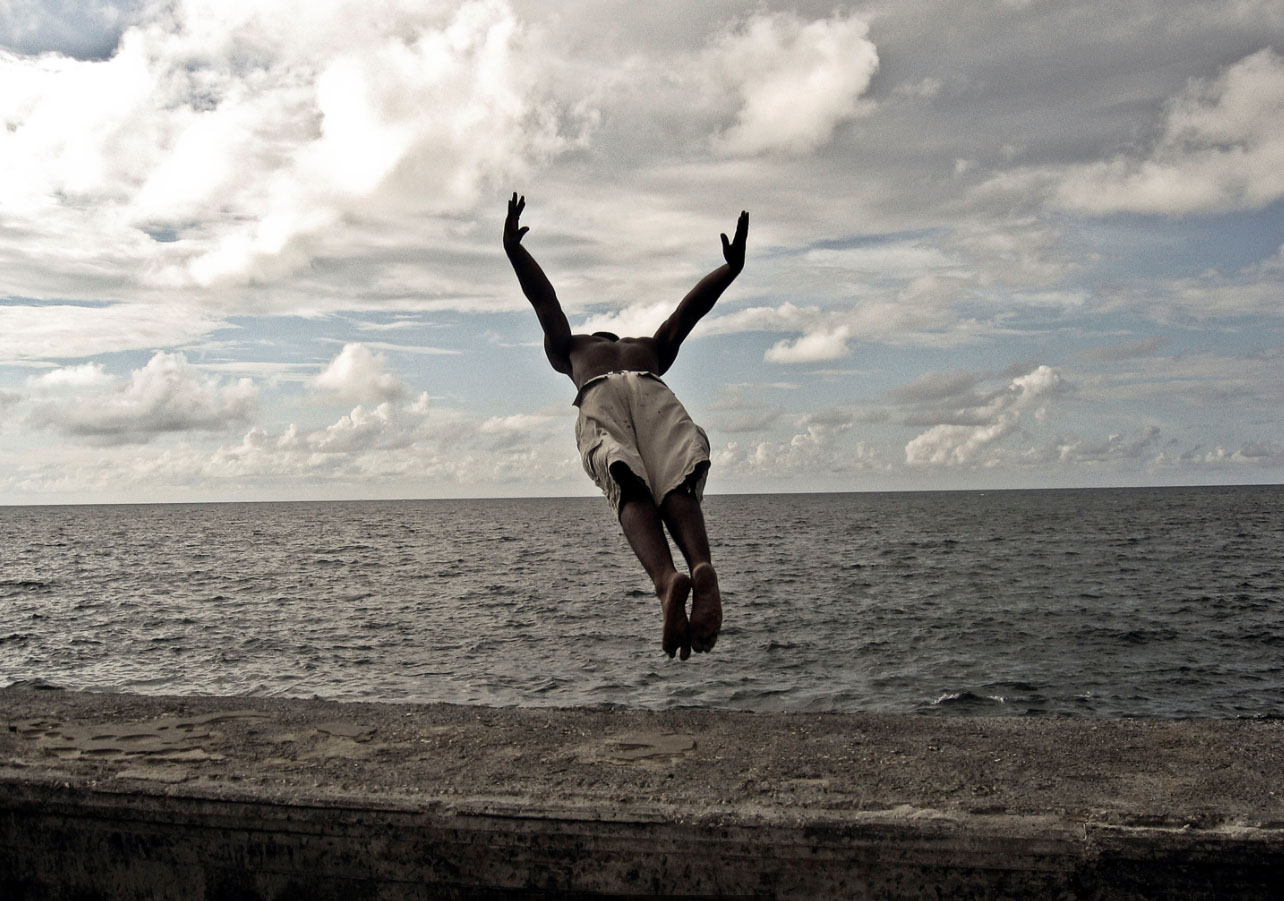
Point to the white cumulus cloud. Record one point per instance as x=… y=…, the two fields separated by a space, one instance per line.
x=1221 y=148
x=797 y=81
x=630 y=322
x=359 y=374
x=954 y=443
x=813 y=347
x=363 y=429
x=220 y=142
x=86 y=375
x=166 y=395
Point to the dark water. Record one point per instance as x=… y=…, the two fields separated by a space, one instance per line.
x=1161 y=602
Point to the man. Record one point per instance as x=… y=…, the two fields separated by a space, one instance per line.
x=635 y=438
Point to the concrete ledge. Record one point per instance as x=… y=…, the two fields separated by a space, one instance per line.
x=126 y=796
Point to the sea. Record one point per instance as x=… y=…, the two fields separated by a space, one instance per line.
x=1164 y=602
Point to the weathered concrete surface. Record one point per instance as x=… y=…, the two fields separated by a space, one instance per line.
x=126 y=796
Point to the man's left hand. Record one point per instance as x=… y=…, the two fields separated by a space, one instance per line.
x=733 y=251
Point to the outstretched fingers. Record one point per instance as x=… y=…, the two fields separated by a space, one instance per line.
x=513 y=234
x=733 y=251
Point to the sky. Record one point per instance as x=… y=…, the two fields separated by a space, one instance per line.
x=250 y=249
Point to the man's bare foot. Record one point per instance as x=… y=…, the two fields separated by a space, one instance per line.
x=673 y=600
x=706 y=608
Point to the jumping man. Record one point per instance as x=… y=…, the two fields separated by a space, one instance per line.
x=635 y=438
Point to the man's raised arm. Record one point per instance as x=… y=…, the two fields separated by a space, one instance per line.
x=701 y=298
x=538 y=290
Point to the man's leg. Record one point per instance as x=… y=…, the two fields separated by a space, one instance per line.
x=644 y=530
x=682 y=514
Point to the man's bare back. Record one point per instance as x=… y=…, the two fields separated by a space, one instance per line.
x=644 y=515
x=596 y=354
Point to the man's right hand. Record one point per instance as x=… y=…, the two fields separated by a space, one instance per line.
x=512 y=233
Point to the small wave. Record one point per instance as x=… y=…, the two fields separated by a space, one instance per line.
x=1014 y=686
x=968 y=701
x=954 y=697
x=1142 y=636
x=25 y=585
x=36 y=684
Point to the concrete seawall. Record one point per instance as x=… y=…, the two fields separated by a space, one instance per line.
x=113 y=796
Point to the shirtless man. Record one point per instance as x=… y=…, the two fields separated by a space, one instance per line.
x=636 y=440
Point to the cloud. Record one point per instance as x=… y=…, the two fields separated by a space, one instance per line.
x=951 y=444
x=632 y=321
x=86 y=375
x=1142 y=347
x=813 y=347
x=1253 y=290
x=797 y=81
x=936 y=386
x=890 y=259
x=516 y=424
x=926 y=89
x=1221 y=148
x=417 y=439
x=895 y=289
x=357 y=374
x=1254 y=453
x=396 y=448
x=817 y=451
x=363 y=429
x=1022 y=251
x=785 y=317
x=741 y=408
x=918 y=312
x=1113 y=447
x=222 y=144
x=1250 y=384
x=747 y=422
x=421 y=349
x=166 y=395
x=36 y=331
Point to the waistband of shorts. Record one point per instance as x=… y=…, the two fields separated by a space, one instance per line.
x=597 y=379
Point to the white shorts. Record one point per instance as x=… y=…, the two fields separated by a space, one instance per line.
x=633 y=418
